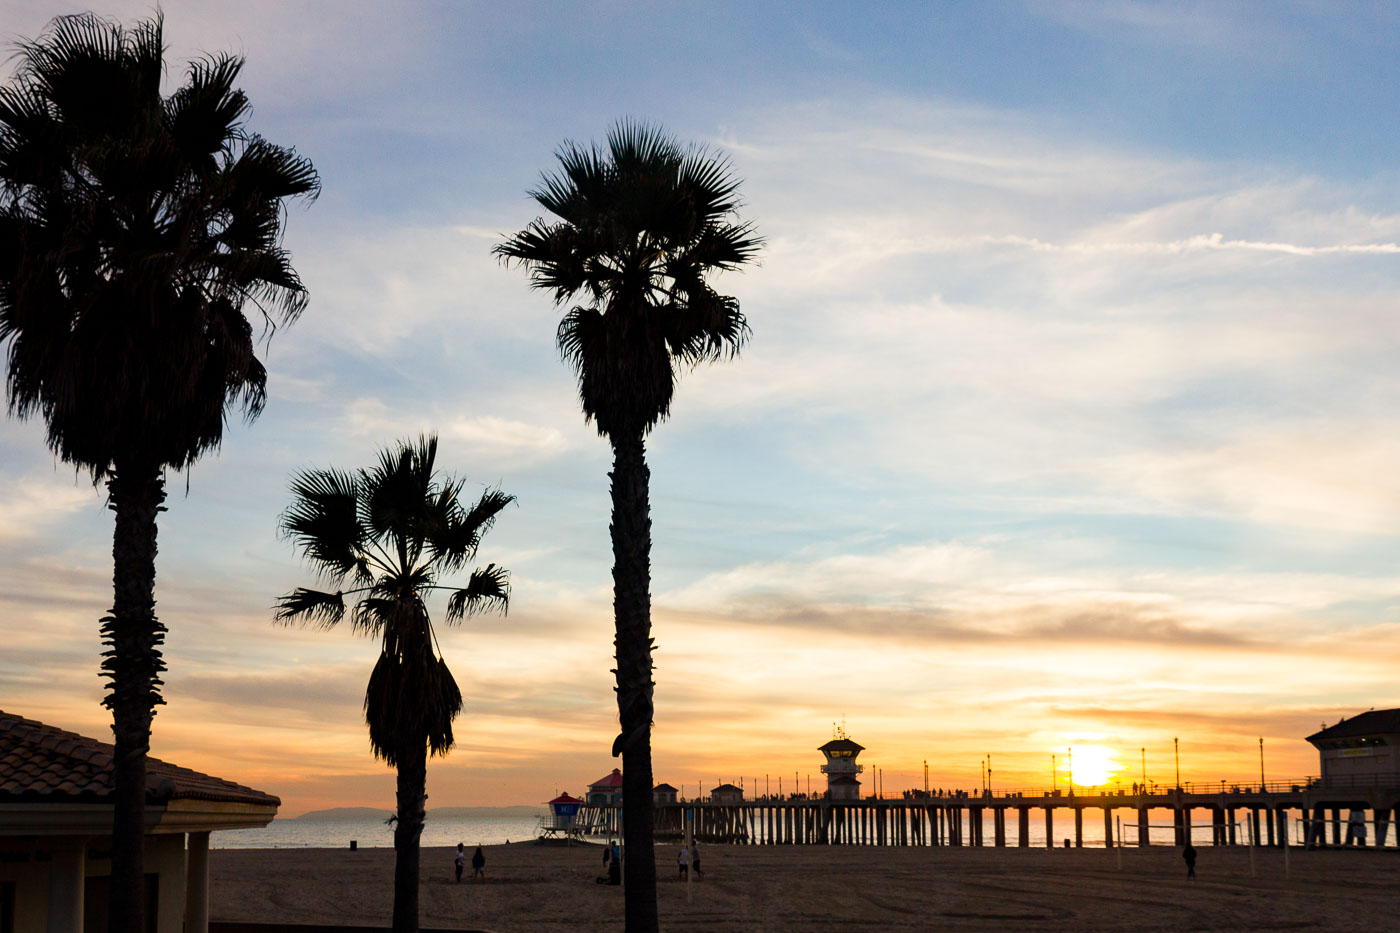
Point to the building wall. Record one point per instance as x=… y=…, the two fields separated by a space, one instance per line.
x=27 y=862
x=1365 y=758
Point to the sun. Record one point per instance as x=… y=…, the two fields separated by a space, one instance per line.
x=1092 y=765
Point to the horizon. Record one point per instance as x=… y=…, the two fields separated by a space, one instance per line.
x=1067 y=418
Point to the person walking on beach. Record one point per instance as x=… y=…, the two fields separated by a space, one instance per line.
x=461 y=862
x=695 y=860
x=1189 y=853
x=684 y=861
x=478 y=863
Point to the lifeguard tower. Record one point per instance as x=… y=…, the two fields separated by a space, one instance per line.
x=841 y=768
x=561 y=820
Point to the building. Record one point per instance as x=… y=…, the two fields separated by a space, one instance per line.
x=562 y=817
x=606 y=791
x=663 y=794
x=727 y=793
x=841 y=768
x=56 y=825
x=1361 y=751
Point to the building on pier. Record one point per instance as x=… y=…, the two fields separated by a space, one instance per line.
x=606 y=791
x=1362 y=749
x=727 y=793
x=663 y=794
x=841 y=768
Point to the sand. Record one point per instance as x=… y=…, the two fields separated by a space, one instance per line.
x=772 y=888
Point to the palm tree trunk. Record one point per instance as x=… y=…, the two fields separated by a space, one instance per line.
x=631 y=541
x=132 y=664
x=408 y=829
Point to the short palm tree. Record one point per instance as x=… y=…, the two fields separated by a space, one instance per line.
x=134 y=231
x=393 y=531
x=638 y=229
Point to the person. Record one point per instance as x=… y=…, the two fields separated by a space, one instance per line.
x=695 y=860
x=461 y=861
x=607 y=856
x=478 y=863
x=1189 y=853
x=614 y=875
x=684 y=861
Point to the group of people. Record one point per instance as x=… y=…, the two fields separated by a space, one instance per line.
x=690 y=860
x=478 y=863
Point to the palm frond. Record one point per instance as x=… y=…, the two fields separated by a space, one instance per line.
x=455 y=541
x=323 y=522
x=487 y=590
x=311 y=607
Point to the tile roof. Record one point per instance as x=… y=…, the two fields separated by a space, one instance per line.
x=612 y=780
x=1371 y=722
x=43 y=763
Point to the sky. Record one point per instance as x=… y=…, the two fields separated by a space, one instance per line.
x=1067 y=421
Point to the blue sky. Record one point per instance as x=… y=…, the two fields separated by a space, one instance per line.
x=1068 y=416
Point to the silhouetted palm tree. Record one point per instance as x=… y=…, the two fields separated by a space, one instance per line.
x=393 y=531
x=639 y=227
x=133 y=230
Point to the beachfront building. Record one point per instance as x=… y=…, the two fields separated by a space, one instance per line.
x=841 y=768
x=663 y=794
x=562 y=819
x=727 y=793
x=56 y=826
x=1361 y=751
x=606 y=791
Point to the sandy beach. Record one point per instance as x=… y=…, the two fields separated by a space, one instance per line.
x=532 y=887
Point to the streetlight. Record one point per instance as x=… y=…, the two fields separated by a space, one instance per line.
x=1071 y=771
x=1262 y=788
x=1144 y=768
x=1176 y=750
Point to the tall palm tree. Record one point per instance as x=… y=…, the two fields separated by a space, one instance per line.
x=393 y=532
x=134 y=230
x=639 y=228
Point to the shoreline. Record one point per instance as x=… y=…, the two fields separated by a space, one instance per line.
x=791 y=888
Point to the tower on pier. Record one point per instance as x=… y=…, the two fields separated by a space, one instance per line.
x=841 y=768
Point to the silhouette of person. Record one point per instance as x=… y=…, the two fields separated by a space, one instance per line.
x=478 y=863
x=461 y=861
x=1189 y=854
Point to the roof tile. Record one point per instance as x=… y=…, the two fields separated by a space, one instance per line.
x=42 y=761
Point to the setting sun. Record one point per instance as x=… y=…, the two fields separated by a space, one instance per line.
x=1091 y=766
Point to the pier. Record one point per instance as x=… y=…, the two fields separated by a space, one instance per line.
x=1308 y=812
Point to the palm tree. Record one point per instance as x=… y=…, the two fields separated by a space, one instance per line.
x=134 y=229
x=639 y=227
x=393 y=531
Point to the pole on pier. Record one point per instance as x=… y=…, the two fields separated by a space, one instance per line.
x=1262 y=788
x=1176 y=751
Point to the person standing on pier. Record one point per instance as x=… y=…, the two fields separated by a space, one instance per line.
x=1189 y=854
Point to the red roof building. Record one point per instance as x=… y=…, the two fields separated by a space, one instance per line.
x=56 y=824
x=606 y=791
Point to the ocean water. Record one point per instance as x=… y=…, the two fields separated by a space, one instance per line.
x=336 y=834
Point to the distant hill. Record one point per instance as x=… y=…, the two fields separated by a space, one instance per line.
x=438 y=813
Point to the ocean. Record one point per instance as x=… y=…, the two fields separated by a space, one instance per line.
x=375 y=833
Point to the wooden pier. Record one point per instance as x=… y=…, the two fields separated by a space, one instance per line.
x=1237 y=815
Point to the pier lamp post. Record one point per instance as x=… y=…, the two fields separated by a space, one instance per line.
x=1054 y=774
x=989 y=773
x=1176 y=750
x=1144 y=766
x=1261 y=765
x=1071 y=770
